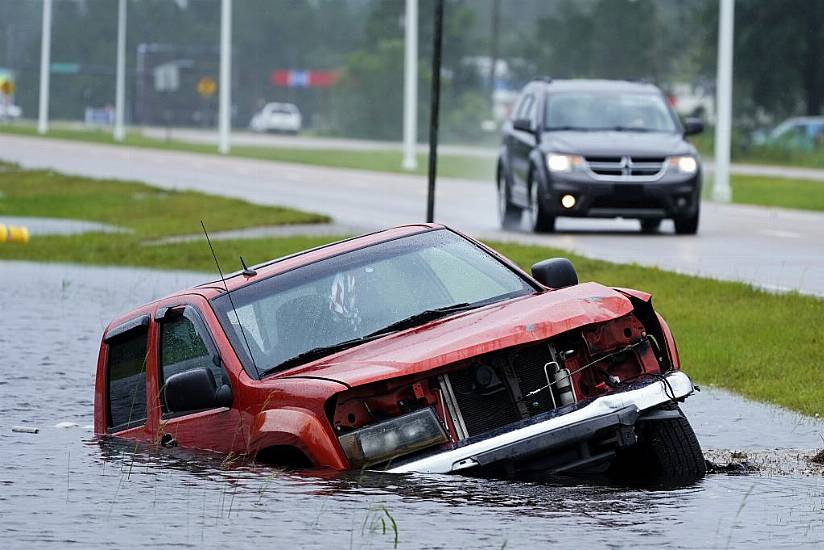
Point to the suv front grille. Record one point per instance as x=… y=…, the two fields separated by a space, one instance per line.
x=626 y=168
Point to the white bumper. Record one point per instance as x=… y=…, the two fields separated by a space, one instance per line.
x=643 y=398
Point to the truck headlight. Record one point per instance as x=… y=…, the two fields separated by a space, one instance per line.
x=684 y=164
x=564 y=163
x=392 y=438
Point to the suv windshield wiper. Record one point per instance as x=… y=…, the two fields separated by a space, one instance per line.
x=569 y=128
x=424 y=317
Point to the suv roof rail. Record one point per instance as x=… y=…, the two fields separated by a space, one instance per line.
x=545 y=78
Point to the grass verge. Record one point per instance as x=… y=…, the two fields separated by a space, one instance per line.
x=766 y=346
x=454 y=166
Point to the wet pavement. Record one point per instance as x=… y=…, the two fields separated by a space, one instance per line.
x=61 y=487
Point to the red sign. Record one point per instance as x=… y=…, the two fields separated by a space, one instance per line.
x=291 y=78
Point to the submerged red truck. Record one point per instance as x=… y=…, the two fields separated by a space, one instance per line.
x=415 y=349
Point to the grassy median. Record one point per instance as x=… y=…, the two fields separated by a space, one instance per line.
x=766 y=346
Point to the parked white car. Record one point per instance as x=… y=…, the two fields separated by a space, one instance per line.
x=277 y=117
x=10 y=111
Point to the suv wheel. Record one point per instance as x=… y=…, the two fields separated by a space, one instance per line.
x=539 y=220
x=508 y=214
x=687 y=225
x=650 y=225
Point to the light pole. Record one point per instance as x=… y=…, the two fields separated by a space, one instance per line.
x=410 y=87
x=722 y=191
x=437 y=43
x=224 y=88
x=120 y=86
x=45 y=62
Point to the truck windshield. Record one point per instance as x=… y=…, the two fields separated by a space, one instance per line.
x=590 y=111
x=355 y=295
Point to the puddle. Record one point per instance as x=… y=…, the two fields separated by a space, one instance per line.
x=57 y=226
x=62 y=487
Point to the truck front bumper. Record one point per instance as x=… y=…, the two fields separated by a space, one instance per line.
x=612 y=416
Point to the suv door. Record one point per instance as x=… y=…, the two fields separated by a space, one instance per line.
x=185 y=344
x=522 y=143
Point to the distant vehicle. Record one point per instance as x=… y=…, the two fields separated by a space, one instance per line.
x=598 y=148
x=794 y=134
x=277 y=117
x=10 y=111
x=415 y=349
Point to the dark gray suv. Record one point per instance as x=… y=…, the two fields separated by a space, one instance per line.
x=598 y=148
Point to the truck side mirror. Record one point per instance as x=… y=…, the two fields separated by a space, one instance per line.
x=195 y=390
x=555 y=273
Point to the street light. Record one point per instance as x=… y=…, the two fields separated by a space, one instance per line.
x=723 y=124
x=45 y=62
x=224 y=88
x=120 y=86
x=410 y=86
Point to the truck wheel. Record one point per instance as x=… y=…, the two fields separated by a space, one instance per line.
x=667 y=453
x=539 y=220
x=508 y=214
x=687 y=225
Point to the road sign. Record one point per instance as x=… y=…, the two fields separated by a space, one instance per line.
x=7 y=87
x=206 y=86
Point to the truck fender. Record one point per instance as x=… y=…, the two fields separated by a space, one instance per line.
x=298 y=428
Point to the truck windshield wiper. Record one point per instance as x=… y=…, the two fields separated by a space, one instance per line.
x=417 y=319
x=569 y=129
x=322 y=351
x=424 y=317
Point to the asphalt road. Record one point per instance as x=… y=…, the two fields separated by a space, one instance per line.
x=241 y=137
x=773 y=248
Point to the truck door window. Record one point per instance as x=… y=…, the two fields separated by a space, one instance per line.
x=126 y=376
x=185 y=345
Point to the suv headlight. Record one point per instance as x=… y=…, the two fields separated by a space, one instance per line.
x=392 y=438
x=564 y=163
x=683 y=164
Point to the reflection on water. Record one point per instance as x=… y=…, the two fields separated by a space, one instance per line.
x=62 y=486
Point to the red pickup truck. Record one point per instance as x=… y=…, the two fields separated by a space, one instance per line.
x=415 y=349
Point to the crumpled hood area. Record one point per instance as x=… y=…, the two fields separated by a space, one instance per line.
x=465 y=335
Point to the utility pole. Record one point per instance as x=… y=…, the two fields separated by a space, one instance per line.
x=437 y=39
x=225 y=85
x=722 y=191
x=410 y=87
x=120 y=86
x=45 y=65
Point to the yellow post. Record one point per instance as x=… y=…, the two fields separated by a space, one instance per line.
x=13 y=234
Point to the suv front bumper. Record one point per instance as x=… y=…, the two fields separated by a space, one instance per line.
x=668 y=197
x=611 y=418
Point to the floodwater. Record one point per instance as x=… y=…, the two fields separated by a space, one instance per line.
x=62 y=488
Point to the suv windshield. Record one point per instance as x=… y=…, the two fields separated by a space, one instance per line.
x=353 y=296
x=643 y=112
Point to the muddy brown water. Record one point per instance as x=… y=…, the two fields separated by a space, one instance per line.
x=62 y=488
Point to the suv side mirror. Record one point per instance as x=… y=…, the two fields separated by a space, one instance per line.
x=194 y=390
x=523 y=124
x=693 y=126
x=555 y=273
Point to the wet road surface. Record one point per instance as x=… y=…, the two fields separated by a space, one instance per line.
x=61 y=488
x=770 y=247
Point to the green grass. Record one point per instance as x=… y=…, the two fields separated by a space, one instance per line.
x=148 y=212
x=378 y=160
x=786 y=193
x=766 y=346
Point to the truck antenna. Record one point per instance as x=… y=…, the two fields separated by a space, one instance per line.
x=231 y=301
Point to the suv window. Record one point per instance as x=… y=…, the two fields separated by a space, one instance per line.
x=126 y=376
x=527 y=109
x=185 y=345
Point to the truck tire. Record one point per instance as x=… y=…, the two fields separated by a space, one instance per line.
x=687 y=225
x=667 y=453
